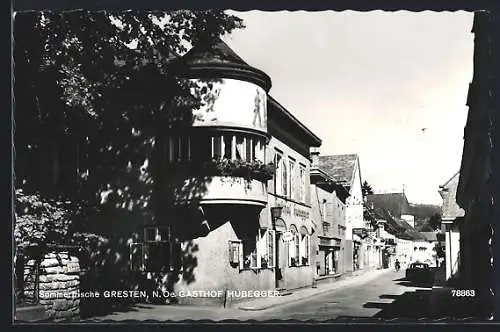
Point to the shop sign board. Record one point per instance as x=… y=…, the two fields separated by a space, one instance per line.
x=287 y=236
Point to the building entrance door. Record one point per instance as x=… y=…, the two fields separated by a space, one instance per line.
x=328 y=262
x=280 y=261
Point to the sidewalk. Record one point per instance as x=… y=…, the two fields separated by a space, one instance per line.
x=357 y=278
x=241 y=311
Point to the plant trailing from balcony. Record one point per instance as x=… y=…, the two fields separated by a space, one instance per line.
x=249 y=170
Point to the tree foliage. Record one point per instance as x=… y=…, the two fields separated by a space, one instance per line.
x=366 y=189
x=40 y=221
x=93 y=99
x=435 y=221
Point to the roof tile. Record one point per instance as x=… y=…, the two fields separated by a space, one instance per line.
x=339 y=167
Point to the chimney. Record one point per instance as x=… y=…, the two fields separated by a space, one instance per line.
x=314 y=155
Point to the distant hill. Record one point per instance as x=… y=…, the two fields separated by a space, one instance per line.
x=424 y=211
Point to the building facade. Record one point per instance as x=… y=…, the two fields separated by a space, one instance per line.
x=477 y=191
x=328 y=206
x=451 y=218
x=239 y=155
x=345 y=170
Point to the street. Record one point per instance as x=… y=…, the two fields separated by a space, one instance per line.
x=386 y=296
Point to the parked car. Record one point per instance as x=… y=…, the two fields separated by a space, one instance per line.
x=419 y=272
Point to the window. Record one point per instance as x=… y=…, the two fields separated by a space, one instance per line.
x=248 y=149
x=228 y=146
x=291 y=193
x=249 y=251
x=234 y=252
x=158 y=252
x=259 y=149
x=326 y=227
x=305 y=252
x=241 y=146
x=302 y=183
x=217 y=147
x=278 y=179
x=201 y=146
x=294 y=250
x=297 y=248
x=258 y=252
x=136 y=259
x=179 y=148
x=284 y=177
x=323 y=210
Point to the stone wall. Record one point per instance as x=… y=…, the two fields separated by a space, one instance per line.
x=59 y=284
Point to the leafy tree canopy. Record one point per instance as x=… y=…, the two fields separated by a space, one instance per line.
x=93 y=95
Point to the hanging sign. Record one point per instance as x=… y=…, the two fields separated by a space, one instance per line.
x=287 y=236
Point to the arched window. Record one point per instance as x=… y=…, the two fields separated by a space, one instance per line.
x=294 y=247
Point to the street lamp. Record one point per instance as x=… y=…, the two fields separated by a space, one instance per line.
x=276 y=213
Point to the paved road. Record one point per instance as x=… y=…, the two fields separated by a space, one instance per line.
x=387 y=296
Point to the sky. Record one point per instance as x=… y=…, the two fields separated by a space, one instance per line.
x=388 y=86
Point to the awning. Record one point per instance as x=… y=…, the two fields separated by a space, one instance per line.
x=329 y=242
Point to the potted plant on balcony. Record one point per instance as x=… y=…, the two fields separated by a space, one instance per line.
x=249 y=170
x=293 y=262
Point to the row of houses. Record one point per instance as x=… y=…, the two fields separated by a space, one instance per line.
x=247 y=200
x=306 y=222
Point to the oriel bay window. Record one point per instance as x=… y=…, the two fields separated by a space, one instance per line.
x=205 y=146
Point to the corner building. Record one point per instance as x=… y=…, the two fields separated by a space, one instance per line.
x=241 y=154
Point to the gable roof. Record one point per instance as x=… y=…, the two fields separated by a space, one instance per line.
x=274 y=107
x=396 y=203
x=448 y=191
x=340 y=167
x=398 y=227
x=449 y=180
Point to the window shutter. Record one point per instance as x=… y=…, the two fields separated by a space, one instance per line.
x=291 y=251
x=258 y=250
x=241 y=254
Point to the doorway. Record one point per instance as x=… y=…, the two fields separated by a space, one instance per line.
x=280 y=261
